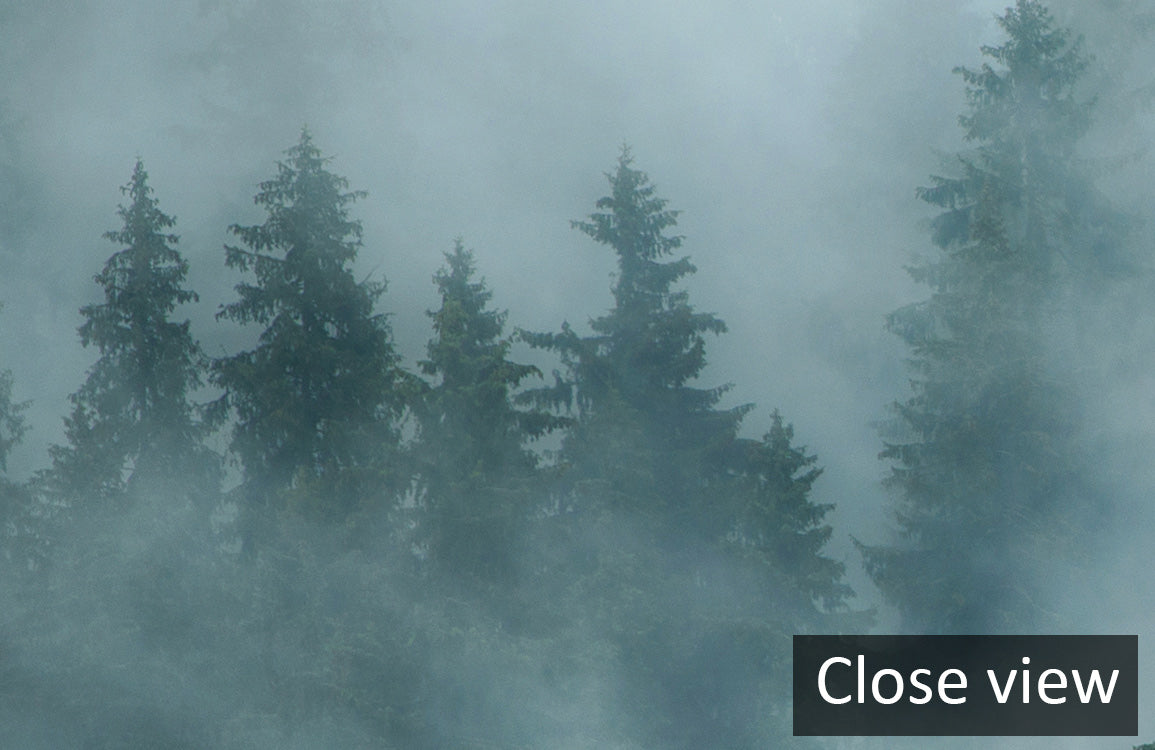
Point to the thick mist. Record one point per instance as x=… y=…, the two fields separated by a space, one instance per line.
x=790 y=136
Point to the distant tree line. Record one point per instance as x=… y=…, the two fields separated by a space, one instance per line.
x=399 y=562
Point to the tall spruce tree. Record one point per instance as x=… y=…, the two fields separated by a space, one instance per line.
x=473 y=459
x=715 y=555
x=630 y=381
x=991 y=492
x=780 y=528
x=19 y=539
x=12 y=425
x=132 y=420
x=317 y=400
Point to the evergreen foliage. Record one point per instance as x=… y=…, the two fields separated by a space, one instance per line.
x=697 y=553
x=116 y=531
x=661 y=559
x=778 y=524
x=419 y=576
x=12 y=425
x=985 y=454
x=630 y=380
x=132 y=420
x=318 y=399
x=474 y=463
x=18 y=536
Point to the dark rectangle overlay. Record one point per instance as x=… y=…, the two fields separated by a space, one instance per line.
x=1076 y=685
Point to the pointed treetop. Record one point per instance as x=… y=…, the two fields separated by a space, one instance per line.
x=632 y=220
x=142 y=217
x=464 y=327
x=1032 y=91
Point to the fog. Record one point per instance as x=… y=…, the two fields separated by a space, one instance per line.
x=790 y=136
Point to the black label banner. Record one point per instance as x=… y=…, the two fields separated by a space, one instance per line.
x=873 y=685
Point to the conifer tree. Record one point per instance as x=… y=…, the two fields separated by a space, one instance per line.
x=473 y=459
x=984 y=453
x=631 y=380
x=317 y=400
x=18 y=540
x=12 y=426
x=132 y=421
x=778 y=525
x=653 y=464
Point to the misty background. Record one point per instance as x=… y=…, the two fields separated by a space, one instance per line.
x=790 y=139
x=790 y=136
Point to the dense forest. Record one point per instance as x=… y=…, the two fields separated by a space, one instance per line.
x=278 y=529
